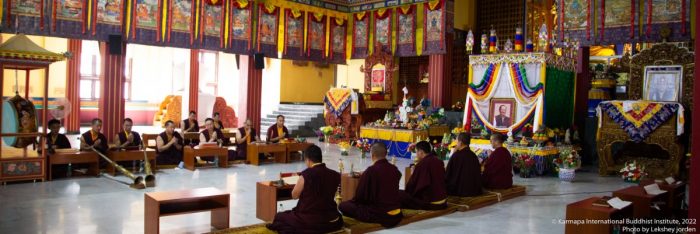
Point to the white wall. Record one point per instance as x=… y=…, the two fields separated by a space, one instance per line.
x=272 y=75
x=350 y=75
x=229 y=81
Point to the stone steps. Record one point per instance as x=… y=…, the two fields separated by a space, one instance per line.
x=300 y=120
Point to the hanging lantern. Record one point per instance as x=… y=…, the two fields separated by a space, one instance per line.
x=518 y=39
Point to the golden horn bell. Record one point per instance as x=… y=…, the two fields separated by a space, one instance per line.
x=150 y=178
x=138 y=180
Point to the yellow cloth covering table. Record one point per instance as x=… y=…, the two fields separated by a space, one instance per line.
x=397 y=140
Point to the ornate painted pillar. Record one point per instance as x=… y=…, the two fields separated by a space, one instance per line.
x=111 y=103
x=250 y=98
x=194 y=83
x=72 y=122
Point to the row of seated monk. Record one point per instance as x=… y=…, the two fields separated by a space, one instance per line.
x=378 y=198
x=169 y=143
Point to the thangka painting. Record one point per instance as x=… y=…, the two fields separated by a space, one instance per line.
x=434 y=29
x=25 y=15
x=180 y=25
x=619 y=24
x=294 y=34
x=69 y=18
x=267 y=30
x=338 y=37
x=316 y=37
x=211 y=24
x=109 y=11
x=382 y=30
x=406 y=31
x=241 y=29
x=672 y=14
x=145 y=27
x=360 y=36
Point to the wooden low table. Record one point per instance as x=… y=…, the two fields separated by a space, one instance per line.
x=131 y=155
x=348 y=186
x=266 y=198
x=159 y=204
x=62 y=157
x=296 y=147
x=641 y=201
x=255 y=149
x=585 y=210
x=191 y=154
x=676 y=192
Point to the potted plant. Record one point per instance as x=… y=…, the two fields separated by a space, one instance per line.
x=567 y=163
x=525 y=163
x=633 y=172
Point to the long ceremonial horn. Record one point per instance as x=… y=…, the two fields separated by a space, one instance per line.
x=150 y=178
x=138 y=180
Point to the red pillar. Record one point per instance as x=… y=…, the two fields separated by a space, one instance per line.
x=193 y=103
x=250 y=100
x=111 y=103
x=72 y=122
x=436 y=79
x=583 y=84
x=694 y=193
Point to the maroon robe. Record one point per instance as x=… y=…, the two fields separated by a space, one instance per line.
x=498 y=170
x=463 y=176
x=170 y=156
x=426 y=186
x=59 y=140
x=185 y=126
x=272 y=132
x=219 y=134
x=316 y=210
x=243 y=147
x=102 y=147
x=376 y=195
x=134 y=144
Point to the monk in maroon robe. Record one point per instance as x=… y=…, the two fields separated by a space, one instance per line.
x=246 y=135
x=376 y=196
x=498 y=168
x=316 y=210
x=94 y=139
x=277 y=131
x=56 y=140
x=127 y=139
x=190 y=125
x=169 y=146
x=425 y=189
x=463 y=176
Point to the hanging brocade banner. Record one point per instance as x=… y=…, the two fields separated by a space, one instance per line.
x=107 y=18
x=146 y=22
x=25 y=16
x=406 y=31
x=180 y=26
x=68 y=18
x=293 y=35
x=617 y=22
x=575 y=18
x=434 y=35
x=659 y=15
x=382 y=30
x=241 y=30
x=211 y=36
x=316 y=37
x=338 y=40
x=268 y=21
x=360 y=36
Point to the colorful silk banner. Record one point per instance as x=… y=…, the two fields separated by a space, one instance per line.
x=68 y=18
x=316 y=37
x=523 y=89
x=434 y=28
x=211 y=36
x=294 y=35
x=360 y=37
x=108 y=18
x=338 y=39
x=180 y=23
x=29 y=16
x=382 y=29
x=145 y=22
x=640 y=118
x=241 y=31
x=268 y=21
x=406 y=31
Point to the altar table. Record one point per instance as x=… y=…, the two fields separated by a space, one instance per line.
x=396 y=140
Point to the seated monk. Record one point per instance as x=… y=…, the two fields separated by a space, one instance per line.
x=211 y=135
x=316 y=210
x=190 y=125
x=498 y=169
x=55 y=139
x=375 y=198
x=94 y=138
x=127 y=139
x=425 y=189
x=277 y=131
x=463 y=176
x=245 y=136
x=218 y=125
x=169 y=146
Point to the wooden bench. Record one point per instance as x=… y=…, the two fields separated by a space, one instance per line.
x=159 y=204
x=71 y=156
x=191 y=153
x=131 y=155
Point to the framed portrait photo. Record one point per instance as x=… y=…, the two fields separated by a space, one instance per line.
x=663 y=83
x=502 y=112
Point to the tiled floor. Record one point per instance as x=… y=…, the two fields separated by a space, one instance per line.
x=104 y=205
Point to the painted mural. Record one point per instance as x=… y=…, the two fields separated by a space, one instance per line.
x=433 y=25
x=268 y=29
x=212 y=20
x=338 y=39
x=295 y=31
x=109 y=11
x=316 y=35
x=26 y=7
x=241 y=23
x=406 y=25
x=361 y=33
x=617 y=13
x=69 y=10
x=575 y=13
x=666 y=11
x=146 y=13
x=181 y=15
x=383 y=30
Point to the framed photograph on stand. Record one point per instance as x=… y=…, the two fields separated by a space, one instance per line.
x=502 y=112
x=663 y=83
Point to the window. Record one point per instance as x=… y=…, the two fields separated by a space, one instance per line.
x=90 y=71
x=209 y=72
x=128 y=70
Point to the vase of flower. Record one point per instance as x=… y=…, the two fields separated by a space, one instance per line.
x=526 y=163
x=525 y=173
x=567 y=174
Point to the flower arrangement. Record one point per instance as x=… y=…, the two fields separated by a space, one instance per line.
x=320 y=135
x=456 y=131
x=338 y=132
x=459 y=106
x=344 y=147
x=525 y=163
x=633 y=172
x=568 y=159
x=527 y=130
x=442 y=148
x=326 y=130
x=363 y=145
